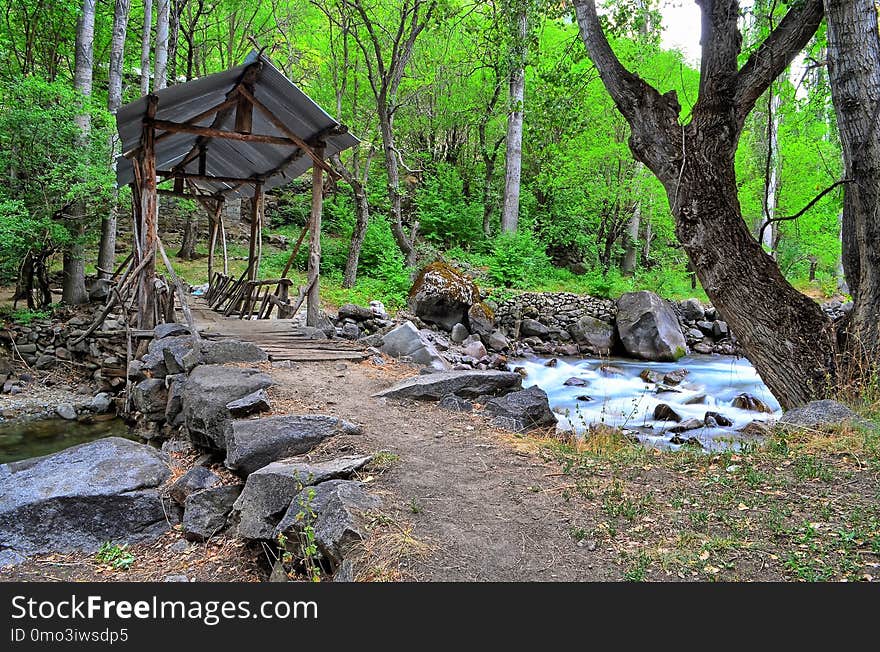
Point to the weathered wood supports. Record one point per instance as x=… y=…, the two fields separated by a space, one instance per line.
x=147 y=217
x=313 y=306
x=256 y=249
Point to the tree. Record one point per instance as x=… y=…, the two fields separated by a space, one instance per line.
x=786 y=335
x=387 y=49
x=145 y=46
x=854 y=70
x=518 y=14
x=74 y=286
x=163 y=22
x=107 y=248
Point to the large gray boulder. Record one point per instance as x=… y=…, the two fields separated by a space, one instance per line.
x=338 y=507
x=253 y=444
x=196 y=479
x=150 y=397
x=442 y=295
x=527 y=409
x=205 y=512
x=269 y=491
x=406 y=341
x=648 y=327
x=433 y=387
x=820 y=414
x=208 y=390
x=224 y=351
x=593 y=335
x=81 y=497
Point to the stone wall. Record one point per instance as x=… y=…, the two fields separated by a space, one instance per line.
x=556 y=310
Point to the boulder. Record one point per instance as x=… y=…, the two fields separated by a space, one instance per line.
x=720 y=330
x=251 y=404
x=338 y=507
x=665 y=413
x=83 y=496
x=593 y=335
x=196 y=479
x=442 y=295
x=648 y=328
x=174 y=406
x=675 y=377
x=101 y=403
x=717 y=419
x=574 y=381
x=751 y=403
x=208 y=390
x=150 y=397
x=688 y=424
x=755 y=429
x=820 y=414
x=350 y=331
x=468 y=384
x=406 y=341
x=224 y=351
x=533 y=328
x=651 y=376
x=355 y=312
x=456 y=404
x=475 y=350
x=205 y=512
x=459 y=333
x=481 y=319
x=524 y=410
x=692 y=310
x=269 y=491
x=253 y=444
x=172 y=351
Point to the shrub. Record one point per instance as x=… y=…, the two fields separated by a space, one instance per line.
x=517 y=259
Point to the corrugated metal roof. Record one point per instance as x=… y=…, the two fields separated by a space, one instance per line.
x=232 y=158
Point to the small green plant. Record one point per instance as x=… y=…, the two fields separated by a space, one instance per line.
x=638 y=569
x=415 y=507
x=117 y=556
x=383 y=460
x=306 y=518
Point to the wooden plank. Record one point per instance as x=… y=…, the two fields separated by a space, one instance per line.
x=212 y=132
x=313 y=304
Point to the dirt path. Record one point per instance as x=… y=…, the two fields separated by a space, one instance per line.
x=477 y=505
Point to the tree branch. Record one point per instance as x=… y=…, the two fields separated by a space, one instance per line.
x=812 y=203
x=775 y=54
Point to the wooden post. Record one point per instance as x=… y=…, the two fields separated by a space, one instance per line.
x=253 y=271
x=149 y=215
x=313 y=307
x=215 y=227
x=223 y=242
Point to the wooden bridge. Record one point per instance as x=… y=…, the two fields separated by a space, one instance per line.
x=282 y=339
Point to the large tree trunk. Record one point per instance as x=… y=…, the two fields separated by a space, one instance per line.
x=854 y=71
x=362 y=220
x=145 y=47
x=769 y=227
x=190 y=237
x=163 y=18
x=74 y=286
x=107 y=248
x=513 y=157
x=785 y=334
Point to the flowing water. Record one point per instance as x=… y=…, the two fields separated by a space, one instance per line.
x=22 y=439
x=619 y=397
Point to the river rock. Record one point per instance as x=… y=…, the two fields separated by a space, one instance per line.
x=692 y=310
x=355 y=312
x=66 y=411
x=533 y=328
x=593 y=335
x=476 y=350
x=717 y=419
x=688 y=424
x=208 y=390
x=648 y=328
x=83 y=496
x=253 y=444
x=675 y=377
x=442 y=295
x=459 y=333
x=456 y=404
x=468 y=384
x=225 y=351
x=168 y=353
x=406 y=341
x=665 y=413
x=481 y=319
x=150 y=397
x=101 y=403
x=574 y=381
x=820 y=414
x=523 y=410
x=251 y=404
x=497 y=341
x=174 y=406
x=205 y=512
x=752 y=403
x=720 y=330
x=196 y=479
x=338 y=506
x=651 y=376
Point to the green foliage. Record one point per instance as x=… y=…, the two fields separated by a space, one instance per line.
x=516 y=259
x=116 y=555
x=22 y=316
x=447 y=217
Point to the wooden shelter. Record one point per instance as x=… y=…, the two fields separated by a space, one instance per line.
x=234 y=134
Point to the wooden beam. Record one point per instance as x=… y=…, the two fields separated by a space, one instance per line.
x=184 y=195
x=256 y=207
x=149 y=215
x=313 y=307
x=171 y=174
x=213 y=132
x=312 y=152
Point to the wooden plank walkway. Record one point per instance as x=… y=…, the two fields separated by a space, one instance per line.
x=282 y=339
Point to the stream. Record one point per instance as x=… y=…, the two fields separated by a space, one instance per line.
x=621 y=398
x=24 y=438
